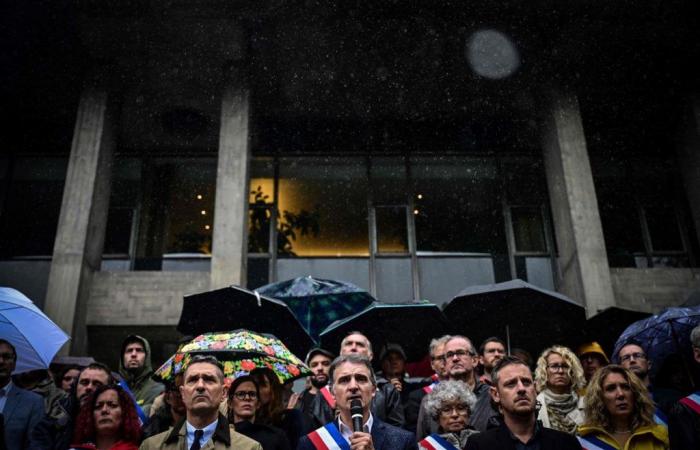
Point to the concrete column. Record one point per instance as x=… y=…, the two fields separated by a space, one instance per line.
x=584 y=274
x=689 y=158
x=77 y=252
x=230 y=236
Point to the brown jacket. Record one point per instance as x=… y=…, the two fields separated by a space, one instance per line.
x=224 y=438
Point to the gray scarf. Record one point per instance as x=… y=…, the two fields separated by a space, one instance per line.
x=558 y=407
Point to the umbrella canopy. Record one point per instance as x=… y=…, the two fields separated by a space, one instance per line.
x=410 y=325
x=234 y=307
x=318 y=303
x=35 y=337
x=662 y=334
x=524 y=315
x=606 y=326
x=240 y=352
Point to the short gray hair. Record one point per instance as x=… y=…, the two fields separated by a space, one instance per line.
x=459 y=336
x=695 y=337
x=207 y=359
x=369 y=343
x=351 y=358
x=449 y=392
x=435 y=343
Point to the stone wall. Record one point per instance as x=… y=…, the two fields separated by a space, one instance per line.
x=141 y=298
x=651 y=290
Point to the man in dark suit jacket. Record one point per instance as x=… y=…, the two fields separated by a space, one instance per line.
x=351 y=377
x=514 y=391
x=21 y=409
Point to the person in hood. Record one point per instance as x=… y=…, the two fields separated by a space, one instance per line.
x=136 y=370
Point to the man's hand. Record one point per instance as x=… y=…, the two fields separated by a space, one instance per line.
x=397 y=383
x=361 y=441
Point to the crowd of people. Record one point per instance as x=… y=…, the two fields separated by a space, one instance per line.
x=476 y=398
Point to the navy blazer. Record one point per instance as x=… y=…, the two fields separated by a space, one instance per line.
x=384 y=437
x=23 y=411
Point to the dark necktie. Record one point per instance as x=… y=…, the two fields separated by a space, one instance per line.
x=197 y=437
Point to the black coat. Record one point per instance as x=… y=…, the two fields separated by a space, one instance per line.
x=270 y=438
x=500 y=439
x=683 y=427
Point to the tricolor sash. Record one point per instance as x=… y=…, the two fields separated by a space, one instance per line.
x=436 y=442
x=591 y=442
x=328 y=396
x=692 y=401
x=328 y=437
x=429 y=388
x=660 y=417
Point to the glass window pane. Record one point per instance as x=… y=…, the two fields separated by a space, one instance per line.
x=388 y=181
x=123 y=202
x=322 y=207
x=528 y=229
x=38 y=182
x=663 y=229
x=260 y=205
x=457 y=205
x=392 y=235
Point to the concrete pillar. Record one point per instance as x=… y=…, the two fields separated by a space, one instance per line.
x=689 y=158
x=230 y=234
x=584 y=274
x=77 y=252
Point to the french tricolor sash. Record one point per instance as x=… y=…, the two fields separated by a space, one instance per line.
x=429 y=388
x=593 y=443
x=692 y=401
x=327 y=396
x=328 y=437
x=436 y=442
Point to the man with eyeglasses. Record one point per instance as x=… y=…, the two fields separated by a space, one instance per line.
x=21 y=409
x=460 y=362
x=436 y=351
x=633 y=357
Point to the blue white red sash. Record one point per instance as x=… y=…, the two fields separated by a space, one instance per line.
x=328 y=437
x=692 y=401
x=436 y=442
x=660 y=417
x=591 y=442
x=429 y=388
x=326 y=393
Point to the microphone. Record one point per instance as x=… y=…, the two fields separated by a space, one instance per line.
x=356 y=414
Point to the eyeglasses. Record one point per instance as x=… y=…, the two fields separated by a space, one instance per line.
x=437 y=357
x=635 y=355
x=461 y=409
x=459 y=353
x=242 y=395
x=558 y=367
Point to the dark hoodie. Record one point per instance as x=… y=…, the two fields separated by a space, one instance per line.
x=142 y=386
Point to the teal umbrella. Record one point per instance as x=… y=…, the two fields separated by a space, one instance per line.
x=317 y=303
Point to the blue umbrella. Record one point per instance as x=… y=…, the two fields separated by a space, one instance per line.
x=318 y=303
x=35 y=337
x=662 y=334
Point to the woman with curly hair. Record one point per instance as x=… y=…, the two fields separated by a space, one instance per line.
x=450 y=404
x=557 y=378
x=107 y=421
x=619 y=413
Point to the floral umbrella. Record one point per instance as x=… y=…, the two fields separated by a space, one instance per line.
x=240 y=352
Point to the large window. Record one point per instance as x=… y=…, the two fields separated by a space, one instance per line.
x=644 y=216
x=161 y=212
x=33 y=191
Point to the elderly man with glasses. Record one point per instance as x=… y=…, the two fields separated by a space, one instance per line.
x=460 y=365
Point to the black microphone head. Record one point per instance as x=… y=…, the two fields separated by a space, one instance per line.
x=355 y=406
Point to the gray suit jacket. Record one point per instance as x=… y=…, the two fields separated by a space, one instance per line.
x=23 y=411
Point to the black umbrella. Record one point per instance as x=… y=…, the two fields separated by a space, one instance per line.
x=524 y=315
x=606 y=326
x=410 y=325
x=234 y=307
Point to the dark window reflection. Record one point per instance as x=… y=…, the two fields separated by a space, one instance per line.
x=261 y=205
x=528 y=229
x=32 y=206
x=392 y=233
x=457 y=205
x=663 y=229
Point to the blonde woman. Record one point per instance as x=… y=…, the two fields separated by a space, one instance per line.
x=619 y=413
x=558 y=377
